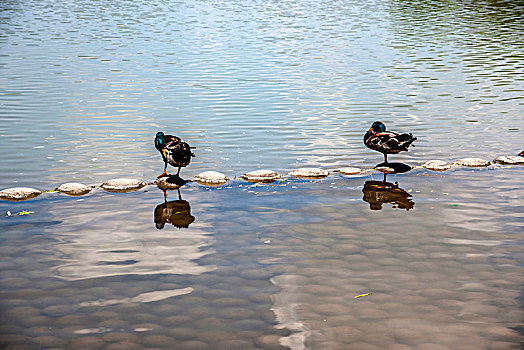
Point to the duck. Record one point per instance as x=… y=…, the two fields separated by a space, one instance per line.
x=174 y=151
x=387 y=142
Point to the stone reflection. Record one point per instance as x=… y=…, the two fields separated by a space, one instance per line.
x=377 y=193
x=176 y=212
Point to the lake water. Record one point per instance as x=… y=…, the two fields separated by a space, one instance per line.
x=436 y=262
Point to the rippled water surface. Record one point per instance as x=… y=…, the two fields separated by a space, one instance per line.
x=421 y=260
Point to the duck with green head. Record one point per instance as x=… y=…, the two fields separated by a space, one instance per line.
x=387 y=142
x=174 y=151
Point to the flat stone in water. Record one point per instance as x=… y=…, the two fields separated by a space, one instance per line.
x=122 y=185
x=211 y=178
x=349 y=171
x=170 y=182
x=261 y=176
x=311 y=173
x=74 y=188
x=472 y=162
x=15 y=194
x=511 y=160
x=436 y=165
x=392 y=168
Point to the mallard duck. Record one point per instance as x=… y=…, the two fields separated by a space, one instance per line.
x=173 y=150
x=386 y=142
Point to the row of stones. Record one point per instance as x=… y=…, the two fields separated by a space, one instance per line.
x=214 y=178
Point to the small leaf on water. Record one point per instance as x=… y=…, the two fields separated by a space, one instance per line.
x=361 y=295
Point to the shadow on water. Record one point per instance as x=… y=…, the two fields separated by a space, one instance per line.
x=377 y=193
x=175 y=212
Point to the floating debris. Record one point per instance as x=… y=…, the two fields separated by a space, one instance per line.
x=74 y=189
x=436 y=165
x=512 y=160
x=122 y=185
x=16 y=194
x=349 y=171
x=309 y=173
x=472 y=162
x=211 y=178
x=263 y=176
x=24 y=212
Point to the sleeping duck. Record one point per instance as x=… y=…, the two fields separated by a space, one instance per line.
x=387 y=142
x=174 y=151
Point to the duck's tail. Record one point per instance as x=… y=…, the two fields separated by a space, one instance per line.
x=405 y=140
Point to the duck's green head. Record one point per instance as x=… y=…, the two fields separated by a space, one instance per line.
x=378 y=127
x=160 y=141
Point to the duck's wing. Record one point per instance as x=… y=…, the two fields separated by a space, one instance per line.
x=392 y=142
x=178 y=152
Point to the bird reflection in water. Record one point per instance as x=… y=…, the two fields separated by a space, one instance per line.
x=177 y=212
x=377 y=193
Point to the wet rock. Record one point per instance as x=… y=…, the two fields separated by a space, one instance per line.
x=184 y=333
x=211 y=178
x=57 y=310
x=364 y=346
x=87 y=343
x=122 y=185
x=269 y=341
x=408 y=336
x=123 y=345
x=431 y=346
x=47 y=341
x=349 y=171
x=502 y=333
x=261 y=176
x=74 y=188
x=309 y=173
x=160 y=340
x=390 y=168
x=436 y=165
x=512 y=160
x=119 y=336
x=346 y=334
x=170 y=182
x=15 y=194
x=472 y=162
x=193 y=345
x=234 y=344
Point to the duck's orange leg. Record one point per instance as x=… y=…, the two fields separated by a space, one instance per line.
x=164 y=173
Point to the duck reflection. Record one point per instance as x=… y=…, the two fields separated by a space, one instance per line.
x=176 y=213
x=377 y=193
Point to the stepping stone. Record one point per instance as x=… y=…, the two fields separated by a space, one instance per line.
x=436 y=165
x=392 y=168
x=211 y=178
x=16 y=194
x=512 y=160
x=261 y=176
x=349 y=171
x=122 y=185
x=472 y=162
x=74 y=188
x=170 y=182
x=310 y=173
